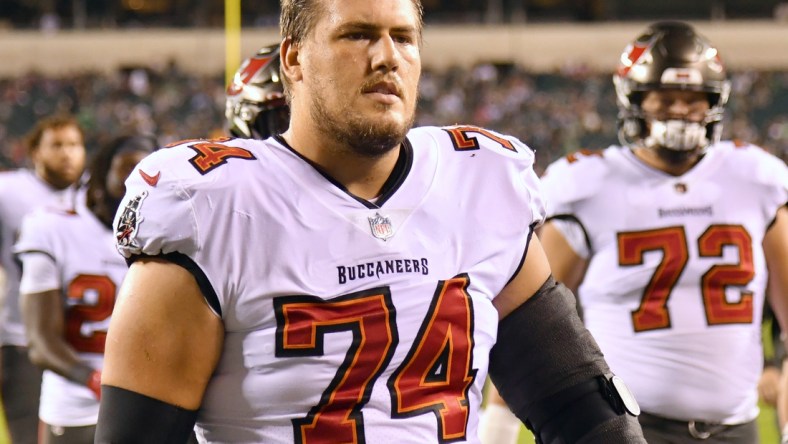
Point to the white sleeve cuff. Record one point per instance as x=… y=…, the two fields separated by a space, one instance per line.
x=39 y=273
x=574 y=235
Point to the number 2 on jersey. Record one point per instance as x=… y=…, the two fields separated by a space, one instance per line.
x=653 y=313
x=104 y=290
x=434 y=377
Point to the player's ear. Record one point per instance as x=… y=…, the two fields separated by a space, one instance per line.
x=289 y=52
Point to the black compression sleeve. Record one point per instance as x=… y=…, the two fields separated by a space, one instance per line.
x=551 y=373
x=127 y=417
x=542 y=348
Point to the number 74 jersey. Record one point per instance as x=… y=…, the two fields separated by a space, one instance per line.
x=346 y=321
x=674 y=289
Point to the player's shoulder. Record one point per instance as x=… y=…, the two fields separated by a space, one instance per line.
x=14 y=174
x=740 y=151
x=202 y=156
x=12 y=178
x=473 y=139
x=49 y=222
x=588 y=167
x=192 y=162
x=751 y=162
x=52 y=214
x=170 y=186
x=584 y=161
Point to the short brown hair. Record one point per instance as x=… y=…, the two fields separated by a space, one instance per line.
x=299 y=18
x=51 y=122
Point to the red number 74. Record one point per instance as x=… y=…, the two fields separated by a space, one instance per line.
x=434 y=377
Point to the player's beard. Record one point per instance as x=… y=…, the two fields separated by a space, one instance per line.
x=678 y=158
x=58 y=178
x=363 y=136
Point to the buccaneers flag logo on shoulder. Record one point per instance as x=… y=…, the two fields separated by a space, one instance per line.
x=129 y=221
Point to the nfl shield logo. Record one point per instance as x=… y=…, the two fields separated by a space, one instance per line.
x=380 y=226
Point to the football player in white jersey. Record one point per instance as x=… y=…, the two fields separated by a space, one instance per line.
x=346 y=280
x=57 y=153
x=71 y=272
x=672 y=239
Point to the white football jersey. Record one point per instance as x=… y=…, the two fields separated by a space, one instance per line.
x=674 y=290
x=21 y=191
x=345 y=319
x=89 y=272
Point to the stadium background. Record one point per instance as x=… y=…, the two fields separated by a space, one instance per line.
x=538 y=69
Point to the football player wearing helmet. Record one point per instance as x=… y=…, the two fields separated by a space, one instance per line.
x=666 y=69
x=255 y=105
x=71 y=273
x=56 y=150
x=351 y=279
x=672 y=239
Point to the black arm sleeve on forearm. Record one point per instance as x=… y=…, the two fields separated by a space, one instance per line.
x=543 y=347
x=127 y=417
x=621 y=429
x=550 y=371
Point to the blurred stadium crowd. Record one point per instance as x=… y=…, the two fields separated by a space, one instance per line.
x=555 y=113
x=85 y=14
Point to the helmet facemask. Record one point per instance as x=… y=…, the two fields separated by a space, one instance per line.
x=670 y=55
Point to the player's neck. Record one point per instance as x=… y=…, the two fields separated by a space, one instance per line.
x=675 y=168
x=361 y=175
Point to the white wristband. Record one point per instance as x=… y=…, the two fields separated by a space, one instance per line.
x=498 y=425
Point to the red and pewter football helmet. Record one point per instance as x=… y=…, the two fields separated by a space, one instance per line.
x=670 y=55
x=255 y=105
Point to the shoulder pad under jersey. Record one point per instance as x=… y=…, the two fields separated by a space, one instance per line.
x=754 y=164
x=38 y=228
x=468 y=138
x=157 y=214
x=573 y=178
x=494 y=155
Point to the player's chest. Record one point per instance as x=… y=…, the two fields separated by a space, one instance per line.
x=87 y=258
x=395 y=264
x=694 y=203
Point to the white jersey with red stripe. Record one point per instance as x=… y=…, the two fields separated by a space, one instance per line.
x=21 y=191
x=89 y=272
x=345 y=320
x=674 y=290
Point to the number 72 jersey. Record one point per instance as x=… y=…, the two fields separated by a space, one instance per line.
x=675 y=285
x=346 y=321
